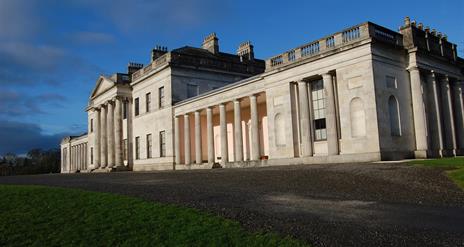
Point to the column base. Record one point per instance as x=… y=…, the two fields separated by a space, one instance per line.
x=435 y=153
x=420 y=154
x=449 y=153
x=118 y=169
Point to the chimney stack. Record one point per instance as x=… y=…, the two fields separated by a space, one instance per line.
x=245 y=51
x=211 y=43
x=133 y=67
x=158 y=51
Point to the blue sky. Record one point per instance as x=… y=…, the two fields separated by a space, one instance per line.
x=52 y=51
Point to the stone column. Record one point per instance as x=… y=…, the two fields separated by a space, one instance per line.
x=176 y=140
x=331 y=115
x=223 y=126
x=68 y=156
x=254 y=128
x=110 y=133
x=130 y=138
x=186 y=139
x=448 y=117
x=198 y=160
x=79 y=156
x=305 y=120
x=96 y=139
x=435 y=120
x=210 y=134
x=418 y=113
x=238 y=137
x=103 y=141
x=459 y=115
x=118 y=133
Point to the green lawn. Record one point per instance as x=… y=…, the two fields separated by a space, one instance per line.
x=455 y=166
x=45 y=216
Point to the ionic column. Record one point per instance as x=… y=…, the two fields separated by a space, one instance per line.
x=103 y=139
x=254 y=128
x=210 y=134
x=130 y=138
x=118 y=133
x=68 y=156
x=435 y=120
x=331 y=115
x=305 y=122
x=223 y=132
x=78 y=157
x=448 y=116
x=96 y=139
x=420 y=129
x=110 y=133
x=187 y=139
x=238 y=137
x=198 y=160
x=176 y=140
x=459 y=111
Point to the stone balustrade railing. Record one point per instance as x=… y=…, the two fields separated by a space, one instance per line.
x=164 y=59
x=335 y=41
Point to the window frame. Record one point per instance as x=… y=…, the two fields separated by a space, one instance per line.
x=318 y=109
x=136 y=107
x=161 y=97
x=149 y=146
x=162 y=143
x=148 y=102
x=137 y=147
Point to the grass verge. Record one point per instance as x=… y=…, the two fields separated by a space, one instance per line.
x=45 y=216
x=454 y=165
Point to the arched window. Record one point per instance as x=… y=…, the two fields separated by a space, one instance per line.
x=395 y=121
x=279 y=130
x=358 y=118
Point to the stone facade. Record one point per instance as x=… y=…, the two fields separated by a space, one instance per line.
x=366 y=93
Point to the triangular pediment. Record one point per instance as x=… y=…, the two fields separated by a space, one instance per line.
x=102 y=85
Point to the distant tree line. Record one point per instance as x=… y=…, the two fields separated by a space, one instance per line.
x=35 y=162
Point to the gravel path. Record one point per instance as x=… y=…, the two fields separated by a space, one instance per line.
x=326 y=205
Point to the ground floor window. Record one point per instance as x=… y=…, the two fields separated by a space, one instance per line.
x=125 y=144
x=318 y=107
x=162 y=141
x=149 y=146
x=137 y=147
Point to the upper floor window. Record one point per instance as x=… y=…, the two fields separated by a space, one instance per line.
x=147 y=102
x=161 y=97
x=192 y=90
x=91 y=125
x=318 y=105
x=136 y=107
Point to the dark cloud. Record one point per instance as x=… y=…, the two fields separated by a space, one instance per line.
x=18 y=137
x=14 y=104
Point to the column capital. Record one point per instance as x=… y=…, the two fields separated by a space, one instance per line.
x=301 y=81
x=237 y=100
x=325 y=74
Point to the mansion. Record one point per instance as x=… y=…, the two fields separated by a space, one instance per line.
x=363 y=94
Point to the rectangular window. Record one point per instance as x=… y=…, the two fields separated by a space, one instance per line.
x=91 y=155
x=147 y=102
x=318 y=105
x=192 y=90
x=124 y=110
x=149 y=146
x=137 y=147
x=126 y=147
x=136 y=106
x=161 y=97
x=162 y=141
x=91 y=125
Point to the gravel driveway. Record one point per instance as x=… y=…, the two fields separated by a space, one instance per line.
x=326 y=205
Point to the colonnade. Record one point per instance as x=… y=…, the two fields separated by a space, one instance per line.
x=78 y=158
x=438 y=109
x=237 y=135
x=108 y=133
